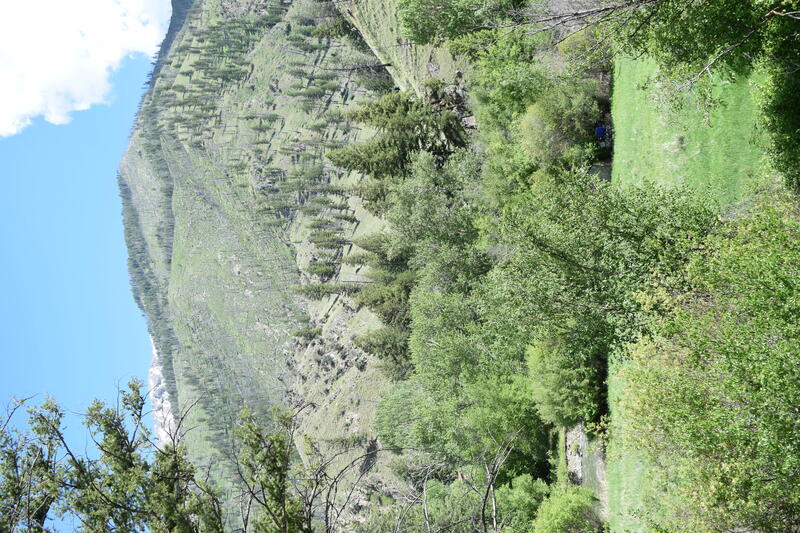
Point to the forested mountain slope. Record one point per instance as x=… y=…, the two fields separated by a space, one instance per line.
x=223 y=177
x=457 y=259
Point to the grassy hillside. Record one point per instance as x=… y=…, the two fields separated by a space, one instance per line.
x=411 y=64
x=222 y=184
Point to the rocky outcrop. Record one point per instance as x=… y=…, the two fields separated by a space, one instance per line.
x=163 y=416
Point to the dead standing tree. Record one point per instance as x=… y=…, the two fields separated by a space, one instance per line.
x=291 y=496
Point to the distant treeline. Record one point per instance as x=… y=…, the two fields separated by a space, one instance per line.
x=148 y=292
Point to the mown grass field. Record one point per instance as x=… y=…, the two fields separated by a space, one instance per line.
x=716 y=151
x=626 y=474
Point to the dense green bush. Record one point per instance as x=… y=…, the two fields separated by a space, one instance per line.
x=590 y=249
x=379 y=157
x=449 y=507
x=395 y=418
x=373 y=193
x=679 y=37
x=323 y=270
x=713 y=397
x=426 y=21
x=436 y=203
x=587 y=52
x=509 y=75
x=456 y=507
x=388 y=297
x=568 y=379
x=307 y=334
x=442 y=341
x=436 y=209
x=568 y=509
x=500 y=409
x=781 y=114
x=461 y=400
x=560 y=125
x=377 y=80
x=519 y=501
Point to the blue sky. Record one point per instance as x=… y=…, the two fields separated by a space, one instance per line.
x=69 y=327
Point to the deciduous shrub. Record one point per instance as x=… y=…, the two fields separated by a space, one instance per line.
x=561 y=123
x=568 y=380
x=508 y=76
x=395 y=418
x=714 y=396
x=568 y=509
x=519 y=500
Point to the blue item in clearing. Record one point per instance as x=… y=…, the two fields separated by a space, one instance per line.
x=600 y=132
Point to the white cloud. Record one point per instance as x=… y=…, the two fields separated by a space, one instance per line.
x=56 y=56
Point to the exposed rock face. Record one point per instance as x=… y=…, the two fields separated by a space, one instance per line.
x=163 y=417
x=586 y=464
